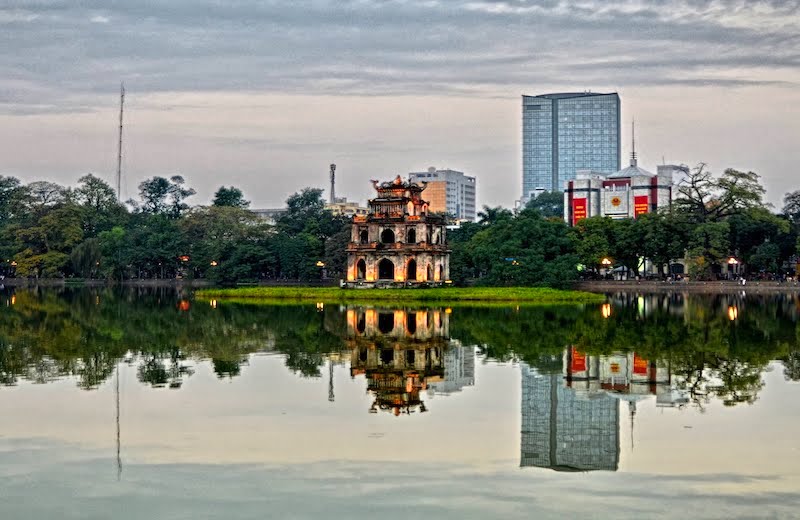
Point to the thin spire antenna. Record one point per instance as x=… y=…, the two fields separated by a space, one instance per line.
x=633 y=142
x=119 y=148
x=333 y=184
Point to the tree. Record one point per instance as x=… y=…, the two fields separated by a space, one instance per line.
x=488 y=216
x=153 y=193
x=230 y=197
x=100 y=209
x=548 y=204
x=791 y=206
x=593 y=237
x=709 y=199
x=709 y=203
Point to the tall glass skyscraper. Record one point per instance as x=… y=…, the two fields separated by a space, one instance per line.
x=567 y=132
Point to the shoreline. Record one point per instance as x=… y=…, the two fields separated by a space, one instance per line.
x=711 y=287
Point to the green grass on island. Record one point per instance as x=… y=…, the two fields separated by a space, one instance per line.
x=471 y=295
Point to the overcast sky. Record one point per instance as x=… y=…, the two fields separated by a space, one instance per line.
x=264 y=95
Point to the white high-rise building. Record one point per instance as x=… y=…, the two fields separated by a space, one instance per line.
x=448 y=191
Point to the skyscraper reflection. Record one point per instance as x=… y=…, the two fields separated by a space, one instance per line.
x=571 y=421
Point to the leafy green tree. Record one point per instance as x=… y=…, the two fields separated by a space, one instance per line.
x=230 y=197
x=594 y=237
x=548 y=204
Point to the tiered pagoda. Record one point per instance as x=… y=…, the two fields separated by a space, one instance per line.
x=398 y=243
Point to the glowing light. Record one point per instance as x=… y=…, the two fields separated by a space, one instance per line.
x=605 y=310
x=213 y=304
x=732 y=261
x=320 y=263
x=213 y=263
x=13 y=263
x=606 y=261
x=184 y=258
x=184 y=305
x=733 y=313
x=320 y=306
x=448 y=310
x=13 y=299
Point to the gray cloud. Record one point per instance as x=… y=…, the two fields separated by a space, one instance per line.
x=59 y=56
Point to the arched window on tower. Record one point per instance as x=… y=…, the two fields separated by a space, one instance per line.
x=361 y=269
x=411 y=236
x=387 y=236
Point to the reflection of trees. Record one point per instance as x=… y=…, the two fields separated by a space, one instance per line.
x=85 y=333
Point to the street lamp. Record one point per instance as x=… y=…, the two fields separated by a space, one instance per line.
x=320 y=263
x=605 y=261
x=214 y=263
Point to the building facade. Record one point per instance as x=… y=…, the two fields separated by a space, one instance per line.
x=566 y=132
x=398 y=242
x=627 y=193
x=346 y=208
x=448 y=191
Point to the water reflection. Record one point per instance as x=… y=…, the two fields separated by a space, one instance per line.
x=402 y=352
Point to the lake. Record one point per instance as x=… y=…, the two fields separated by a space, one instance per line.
x=148 y=403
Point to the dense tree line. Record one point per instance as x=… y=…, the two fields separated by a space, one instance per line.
x=51 y=231
x=712 y=220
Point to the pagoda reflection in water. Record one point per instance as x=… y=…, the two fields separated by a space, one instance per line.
x=571 y=421
x=402 y=352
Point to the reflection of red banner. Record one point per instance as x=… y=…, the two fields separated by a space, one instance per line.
x=578 y=361
x=639 y=365
x=578 y=210
x=640 y=205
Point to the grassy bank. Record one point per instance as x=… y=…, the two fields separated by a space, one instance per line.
x=444 y=295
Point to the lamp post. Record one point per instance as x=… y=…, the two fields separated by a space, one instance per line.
x=321 y=266
x=606 y=263
x=733 y=266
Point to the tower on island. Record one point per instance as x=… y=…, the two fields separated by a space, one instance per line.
x=398 y=242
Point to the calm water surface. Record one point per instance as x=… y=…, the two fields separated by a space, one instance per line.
x=145 y=404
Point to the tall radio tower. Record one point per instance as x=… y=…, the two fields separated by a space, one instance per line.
x=119 y=149
x=333 y=184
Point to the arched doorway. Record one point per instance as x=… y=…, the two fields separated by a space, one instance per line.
x=411 y=236
x=387 y=236
x=385 y=269
x=364 y=236
x=361 y=269
x=441 y=272
x=429 y=274
x=411 y=270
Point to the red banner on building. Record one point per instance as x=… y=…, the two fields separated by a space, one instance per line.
x=578 y=362
x=640 y=365
x=640 y=205
x=578 y=210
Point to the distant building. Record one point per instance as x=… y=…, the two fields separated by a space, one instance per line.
x=625 y=194
x=346 y=208
x=399 y=242
x=448 y=191
x=270 y=216
x=566 y=132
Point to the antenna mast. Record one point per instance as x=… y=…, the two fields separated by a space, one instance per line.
x=633 y=142
x=333 y=184
x=119 y=149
